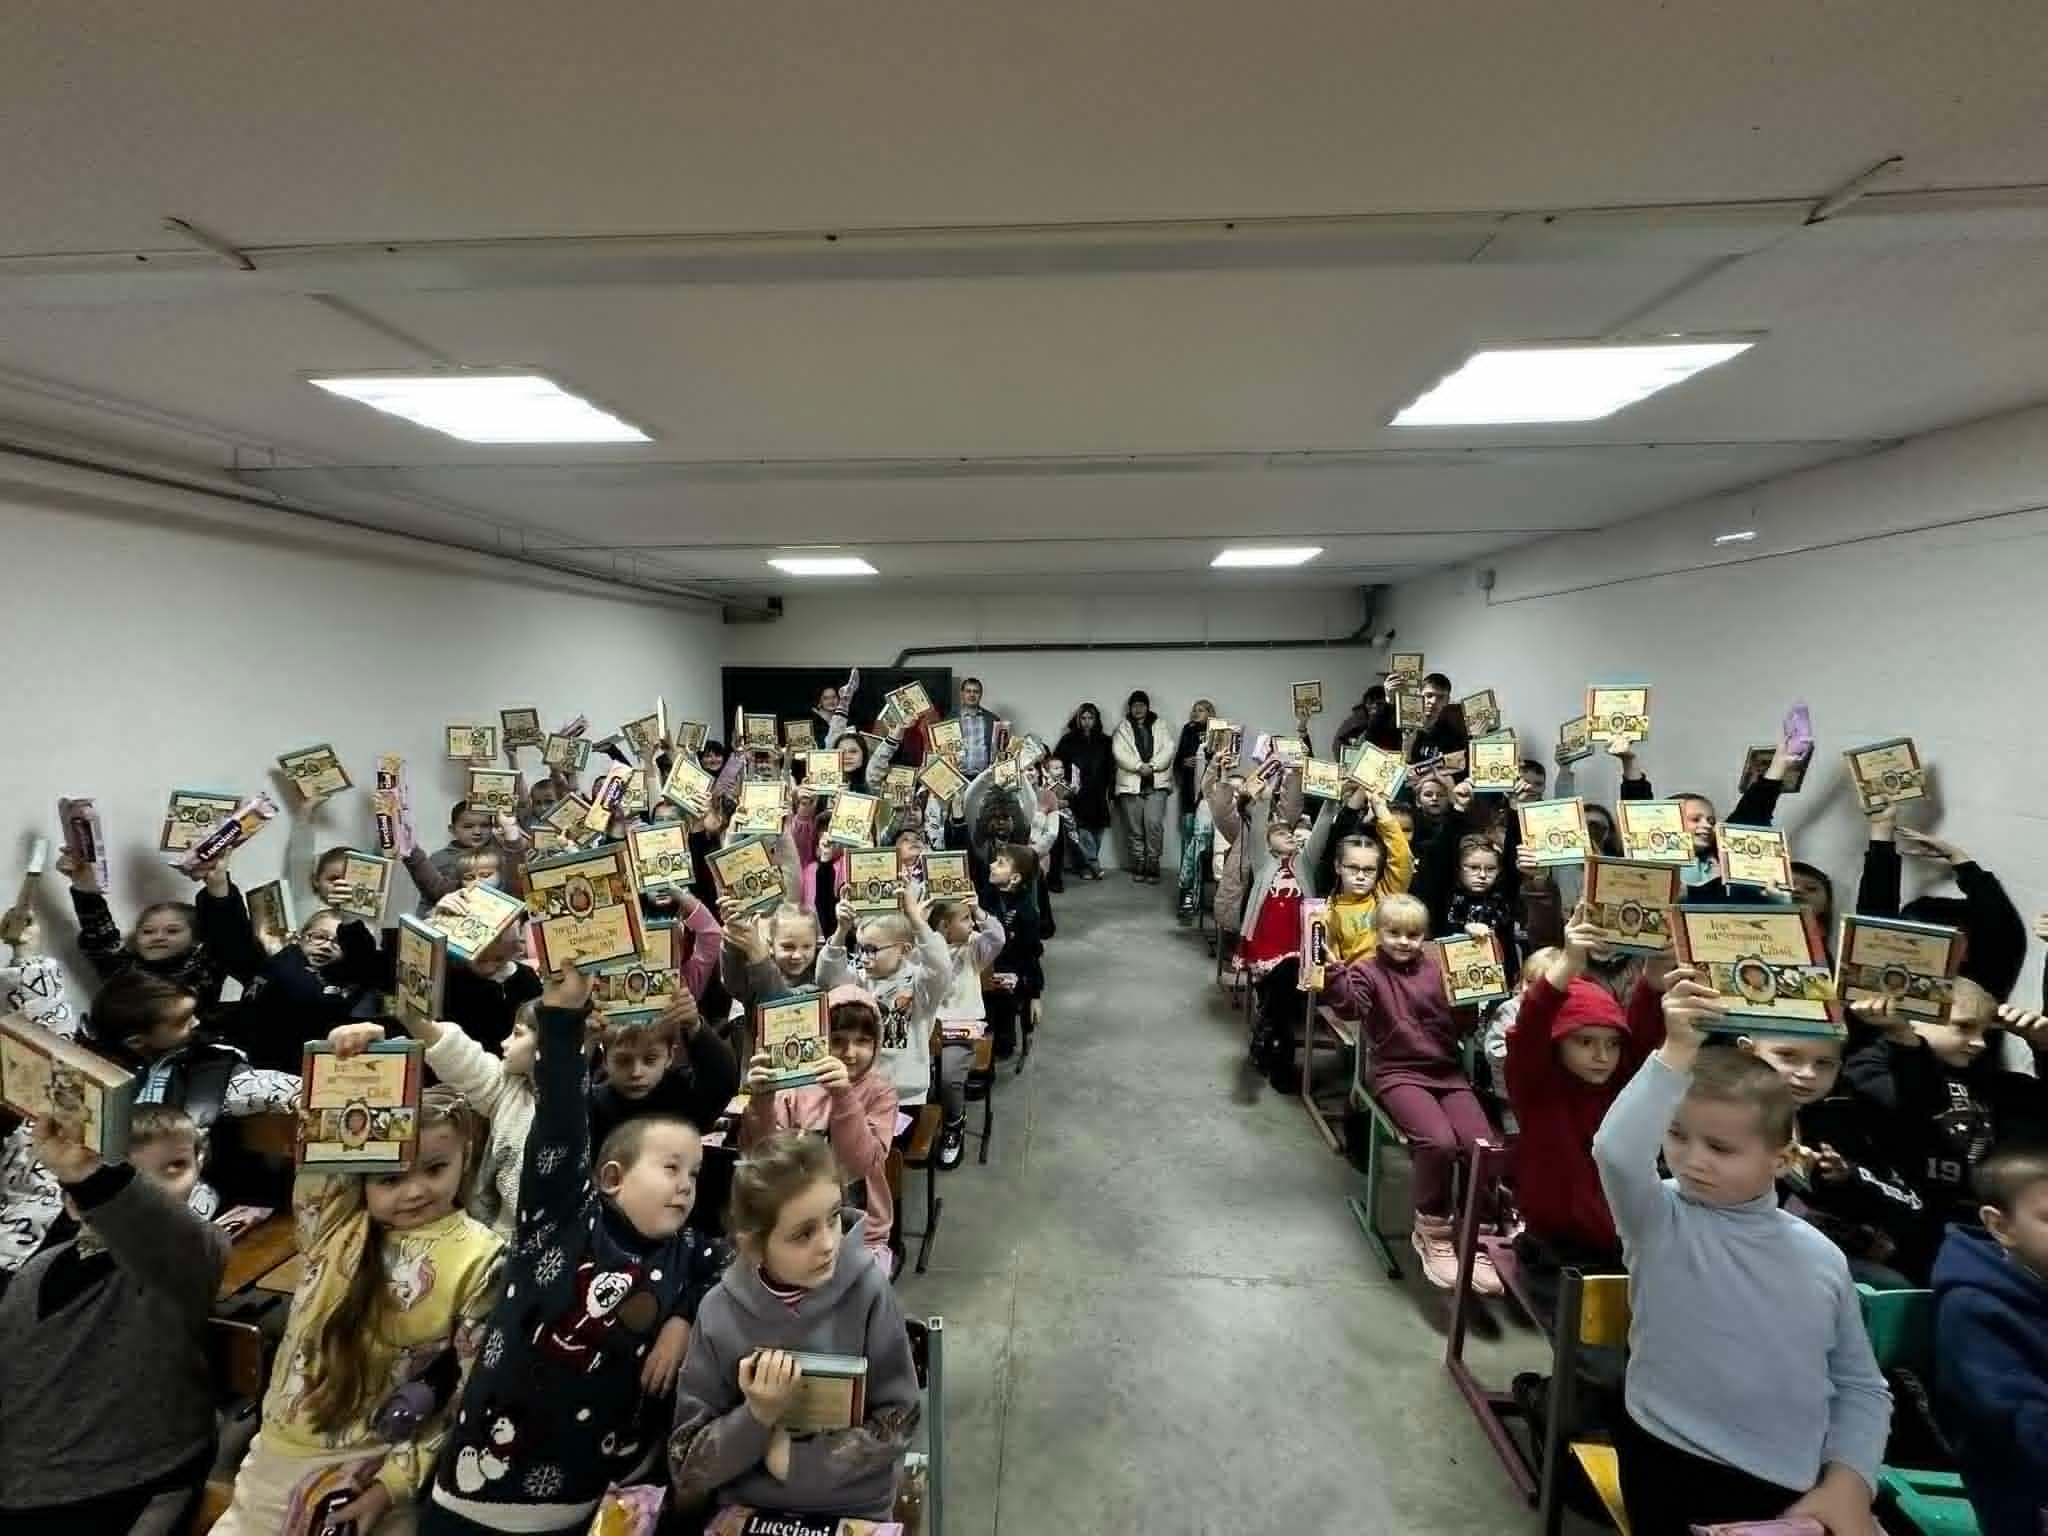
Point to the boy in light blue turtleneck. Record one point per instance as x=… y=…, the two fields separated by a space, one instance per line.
x=1752 y=1390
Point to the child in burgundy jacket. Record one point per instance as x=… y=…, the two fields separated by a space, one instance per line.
x=1410 y=1043
x=1570 y=1052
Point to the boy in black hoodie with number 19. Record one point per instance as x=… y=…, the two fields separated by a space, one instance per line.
x=601 y=1293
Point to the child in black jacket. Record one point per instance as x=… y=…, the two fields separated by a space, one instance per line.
x=569 y=1390
x=1948 y=1099
x=1009 y=898
x=294 y=994
x=1843 y=1175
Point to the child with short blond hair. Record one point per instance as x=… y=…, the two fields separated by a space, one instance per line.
x=1412 y=1041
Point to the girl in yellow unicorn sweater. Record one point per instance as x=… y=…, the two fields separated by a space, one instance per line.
x=398 y=1280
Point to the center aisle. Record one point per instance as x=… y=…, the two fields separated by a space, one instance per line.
x=1159 y=1314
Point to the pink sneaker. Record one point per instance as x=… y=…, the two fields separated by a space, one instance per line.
x=1431 y=1241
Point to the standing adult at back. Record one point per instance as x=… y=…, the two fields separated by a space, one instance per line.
x=977 y=729
x=1144 y=767
x=1084 y=755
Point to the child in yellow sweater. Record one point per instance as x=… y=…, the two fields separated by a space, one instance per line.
x=1366 y=868
x=398 y=1280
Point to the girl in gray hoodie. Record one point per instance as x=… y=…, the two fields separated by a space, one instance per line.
x=804 y=1284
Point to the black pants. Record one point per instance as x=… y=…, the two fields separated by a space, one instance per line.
x=115 y=1512
x=1668 y=1491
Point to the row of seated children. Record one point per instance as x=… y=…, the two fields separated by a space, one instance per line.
x=1936 y=1099
x=435 y=1374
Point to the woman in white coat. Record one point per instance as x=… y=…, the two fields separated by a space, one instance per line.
x=1143 y=749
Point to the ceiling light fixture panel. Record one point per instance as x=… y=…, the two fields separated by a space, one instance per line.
x=484 y=406
x=822 y=565
x=1578 y=382
x=1264 y=557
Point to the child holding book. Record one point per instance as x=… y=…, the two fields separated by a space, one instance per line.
x=499 y=1088
x=1752 y=1393
x=106 y=1400
x=485 y=993
x=290 y=994
x=1570 y=1052
x=801 y=1283
x=909 y=970
x=1991 y=1339
x=164 y=944
x=1364 y=871
x=152 y=1026
x=396 y=1278
x=854 y=1105
x=1405 y=1020
x=1269 y=942
x=973 y=938
x=469 y=834
x=579 y=1355
x=673 y=1066
x=1841 y=1172
x=1947 y=1099
x=759 y=962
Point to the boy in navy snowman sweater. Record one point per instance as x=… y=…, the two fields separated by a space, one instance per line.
x=569 y=1393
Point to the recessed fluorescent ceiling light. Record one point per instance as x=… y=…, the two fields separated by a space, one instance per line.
x=1520 y=384
x=487 y=407
x=1260 y=557
x=1735 y=538
x=822 y=565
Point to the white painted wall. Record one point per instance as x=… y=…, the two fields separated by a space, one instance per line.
x=1900 y=594
x=147 y=655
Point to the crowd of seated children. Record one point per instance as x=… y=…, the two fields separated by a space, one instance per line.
x=486 y=1340
x=1906 y=1150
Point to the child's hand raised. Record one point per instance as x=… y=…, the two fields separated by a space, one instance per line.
x=919 y=912
x=1461 y=795
x=1879 y=1013
x=69 y=1160
x=1691 y=1008
x=760 y=1073
x=82 y=875
x=768 y=1380
x=1478 y=931
x=569 y=990
x=1918 y=845
x=353 y=1039
x=2028 y=1025
x=685 y=1012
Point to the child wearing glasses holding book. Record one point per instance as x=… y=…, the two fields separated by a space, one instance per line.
x=906 y=965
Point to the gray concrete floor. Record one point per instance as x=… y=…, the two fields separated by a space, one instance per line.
x=1160 y=1316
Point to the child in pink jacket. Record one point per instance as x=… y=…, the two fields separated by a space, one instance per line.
x=851 y=1102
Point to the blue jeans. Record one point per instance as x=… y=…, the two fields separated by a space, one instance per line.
x=1085 y=851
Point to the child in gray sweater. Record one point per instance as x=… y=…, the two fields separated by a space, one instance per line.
x=805 y=1283
x=1752 y=1391
x=106 y=1403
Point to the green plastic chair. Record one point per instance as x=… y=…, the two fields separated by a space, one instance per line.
x=1901 y=1328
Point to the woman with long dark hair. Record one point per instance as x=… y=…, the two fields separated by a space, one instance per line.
x=1084 y=749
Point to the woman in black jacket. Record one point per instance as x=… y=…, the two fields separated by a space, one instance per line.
x=1085 y=751
x=1187 y=763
